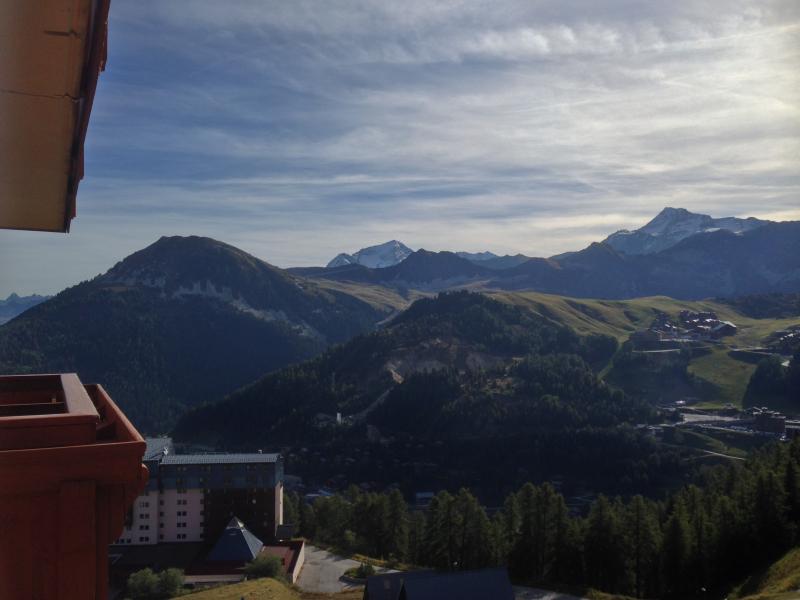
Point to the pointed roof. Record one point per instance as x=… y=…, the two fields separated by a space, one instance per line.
x=236 y=544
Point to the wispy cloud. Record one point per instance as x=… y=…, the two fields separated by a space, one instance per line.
x=301 y=129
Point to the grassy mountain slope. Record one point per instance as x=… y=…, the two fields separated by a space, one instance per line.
x=780 y=581
x=720 y=377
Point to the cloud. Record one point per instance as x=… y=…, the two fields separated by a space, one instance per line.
x=301 y=129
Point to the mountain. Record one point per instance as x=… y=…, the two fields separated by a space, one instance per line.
x=375 y=379
x=477 y=257
x=491 y=260
x=15 y=305
x=671 y=226
x=719 y=263
x=374 y=257
x=458 y=389
x=713 y=263
x=181 y=322
x=421 y=270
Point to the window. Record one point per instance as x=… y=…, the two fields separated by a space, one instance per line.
x=181 y=525
x=144 y=504
x=144 y=527
x=144 y=515
x=161 y=513
x=181 y=536
x=161 y=536
x=144 y=539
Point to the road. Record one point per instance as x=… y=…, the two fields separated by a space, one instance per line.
x=322 y=570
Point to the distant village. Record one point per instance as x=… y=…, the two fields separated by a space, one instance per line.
x=691 y=327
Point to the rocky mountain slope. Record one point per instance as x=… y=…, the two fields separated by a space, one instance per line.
x=374 y=257
x=673 y=225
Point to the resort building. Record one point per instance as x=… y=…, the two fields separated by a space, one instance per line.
x=193 y=497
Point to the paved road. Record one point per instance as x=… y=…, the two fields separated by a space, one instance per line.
x=526 y=593
x=322 y=570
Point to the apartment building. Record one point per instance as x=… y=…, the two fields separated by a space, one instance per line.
x=192 y=497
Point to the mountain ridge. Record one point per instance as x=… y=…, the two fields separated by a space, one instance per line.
x=376 y=257
x=671 y=226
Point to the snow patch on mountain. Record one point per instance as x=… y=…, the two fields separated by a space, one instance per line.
x=673 y=225
x=374 y=257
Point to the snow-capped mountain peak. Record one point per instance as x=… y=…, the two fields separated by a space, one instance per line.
x=375 y=257
x=673 y=225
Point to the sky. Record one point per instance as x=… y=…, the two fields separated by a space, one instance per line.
x=296 y=130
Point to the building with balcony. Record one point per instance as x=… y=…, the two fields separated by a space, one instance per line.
x=70 y=468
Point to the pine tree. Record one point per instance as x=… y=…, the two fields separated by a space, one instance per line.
x=677 y=550
x=397 y=514
x=439 y=531
x=473 y=538
x=605 y=546
x=644 y=537
x=792 y=487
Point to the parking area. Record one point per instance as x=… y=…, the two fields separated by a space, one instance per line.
x=322 y=572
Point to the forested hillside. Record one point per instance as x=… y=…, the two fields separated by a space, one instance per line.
x=458 y=364
x=457 y=390
x=698 y=542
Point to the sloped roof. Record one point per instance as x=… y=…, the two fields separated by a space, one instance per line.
x=235 y=544
x=465 y=585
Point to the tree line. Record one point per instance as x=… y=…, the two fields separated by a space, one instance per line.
x=701 y=538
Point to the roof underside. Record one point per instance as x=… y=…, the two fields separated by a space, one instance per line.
x=51 y=52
